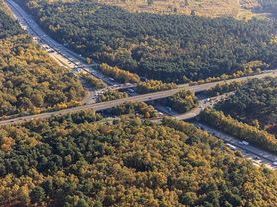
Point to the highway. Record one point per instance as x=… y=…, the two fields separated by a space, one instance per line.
x=256 y=154
x=69 y=59
x=137 y=98
x=202 y=104
x=201 y=87
x=95 y=107
x=57 y=51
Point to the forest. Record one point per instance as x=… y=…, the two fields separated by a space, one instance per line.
x=30 y=81
x=261 y=6
x=132 y=109
x=209 y=8
x=181 y=102
x=240 y=130
x=92 y=81
x=165 y=47
x=110 y=95
x=7 y=25
x=81 y=160
x=154 y=86
x=254 y=103
x=120 y=75
x=222 y=88
x=85 y=160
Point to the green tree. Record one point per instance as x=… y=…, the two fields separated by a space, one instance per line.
x=37 y=195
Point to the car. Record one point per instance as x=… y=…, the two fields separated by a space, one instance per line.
x=245 y=143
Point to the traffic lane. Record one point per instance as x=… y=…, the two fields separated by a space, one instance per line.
x=204 y=103
x=263 y=155
x=250 y=148
x=32 y=28
x=35 y=30
x=256 y=162
x=76 y=57
x=138 y=98
x=95 y=107
x=201 y=87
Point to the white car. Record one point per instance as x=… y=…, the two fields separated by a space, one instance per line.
x=245 y=143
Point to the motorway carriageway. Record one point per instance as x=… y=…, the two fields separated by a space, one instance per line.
x=257 y=154
x=138 y=98
x=73 y=60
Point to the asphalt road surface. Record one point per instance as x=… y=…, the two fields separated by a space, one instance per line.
x=258 y=155
x=95 y=107
x=57 y=51
x=114 y=103
x=67 y=58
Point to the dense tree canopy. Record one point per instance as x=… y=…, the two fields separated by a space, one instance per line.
x=240 y=130
x=222 y=88
x=83 y=160
x=119 y=74
x=262 y=6
x=78 y=161
x=30 y=81
x=92 y=81
x=110 y=95
x=7 y=25
x=133 y=108
x=182 y=102
x=254 y=103
x=170 y=48
x=154 y=86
